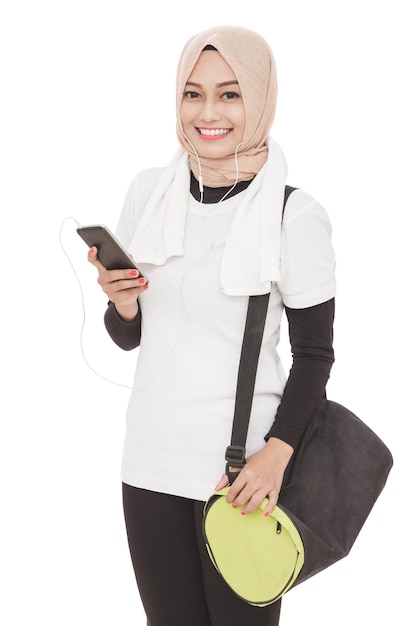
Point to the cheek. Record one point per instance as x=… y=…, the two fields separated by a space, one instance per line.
x=239 y=115
x=185 y=114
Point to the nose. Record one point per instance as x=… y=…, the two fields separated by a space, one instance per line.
x=209 y=111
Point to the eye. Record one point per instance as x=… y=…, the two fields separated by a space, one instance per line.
x=230 y=95
x=191 y=95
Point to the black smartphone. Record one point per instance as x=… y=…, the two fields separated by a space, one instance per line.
x=109 y=250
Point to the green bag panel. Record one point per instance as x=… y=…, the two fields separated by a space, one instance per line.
x=234 y=543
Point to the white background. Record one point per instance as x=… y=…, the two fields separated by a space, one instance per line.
x=87 y=101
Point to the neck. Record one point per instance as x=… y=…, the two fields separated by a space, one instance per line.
x=212 y=195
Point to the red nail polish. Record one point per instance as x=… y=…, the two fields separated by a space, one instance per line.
x=133 y=272
x=242 y=513
x=266 y=513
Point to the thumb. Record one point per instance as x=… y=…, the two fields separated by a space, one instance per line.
x=93 y=259
x=223 y=482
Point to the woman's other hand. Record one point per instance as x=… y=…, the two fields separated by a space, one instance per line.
x=261 y=477
x=122 y=287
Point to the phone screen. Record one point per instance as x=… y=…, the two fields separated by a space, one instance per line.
x=110 y=251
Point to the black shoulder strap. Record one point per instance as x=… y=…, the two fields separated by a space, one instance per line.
x=251 y=346
x=287 y=192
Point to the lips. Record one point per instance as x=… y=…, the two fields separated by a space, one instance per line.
x=211 y=134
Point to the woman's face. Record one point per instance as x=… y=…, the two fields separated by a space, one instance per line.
x=212 y=111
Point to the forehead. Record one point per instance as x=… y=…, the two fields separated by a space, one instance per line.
x=211 y=68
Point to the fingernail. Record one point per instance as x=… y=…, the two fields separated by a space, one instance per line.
x=242 y=513
x=93 y=249
x=234 y=505
x=133 y=272
x=266 y=513
x=142 y=281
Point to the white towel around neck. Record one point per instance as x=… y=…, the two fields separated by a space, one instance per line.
x=251 y=259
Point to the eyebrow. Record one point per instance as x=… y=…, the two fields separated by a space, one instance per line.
x=225 y=84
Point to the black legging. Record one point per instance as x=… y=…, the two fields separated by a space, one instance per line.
x=177 y=582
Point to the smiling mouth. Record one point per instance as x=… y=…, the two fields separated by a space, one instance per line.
x=213 y=133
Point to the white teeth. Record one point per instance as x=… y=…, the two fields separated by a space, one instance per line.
x=214 y=131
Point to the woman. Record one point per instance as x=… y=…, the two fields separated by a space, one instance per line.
x=207 y=233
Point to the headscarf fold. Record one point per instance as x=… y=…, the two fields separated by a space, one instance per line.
x=253 y=64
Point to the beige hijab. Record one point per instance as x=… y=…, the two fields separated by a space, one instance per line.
x=252 y=62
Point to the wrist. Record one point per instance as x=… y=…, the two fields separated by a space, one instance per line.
x=127 y=312
x=281 y=450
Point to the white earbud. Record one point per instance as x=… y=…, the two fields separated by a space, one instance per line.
x=237 y=175
x=200 y=176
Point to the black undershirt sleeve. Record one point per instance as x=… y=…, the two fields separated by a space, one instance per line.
x=311 y=339
x=124 y=334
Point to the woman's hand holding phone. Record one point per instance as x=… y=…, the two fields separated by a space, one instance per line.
x=122 y=287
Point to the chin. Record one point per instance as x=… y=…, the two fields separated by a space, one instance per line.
x=214 y=150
